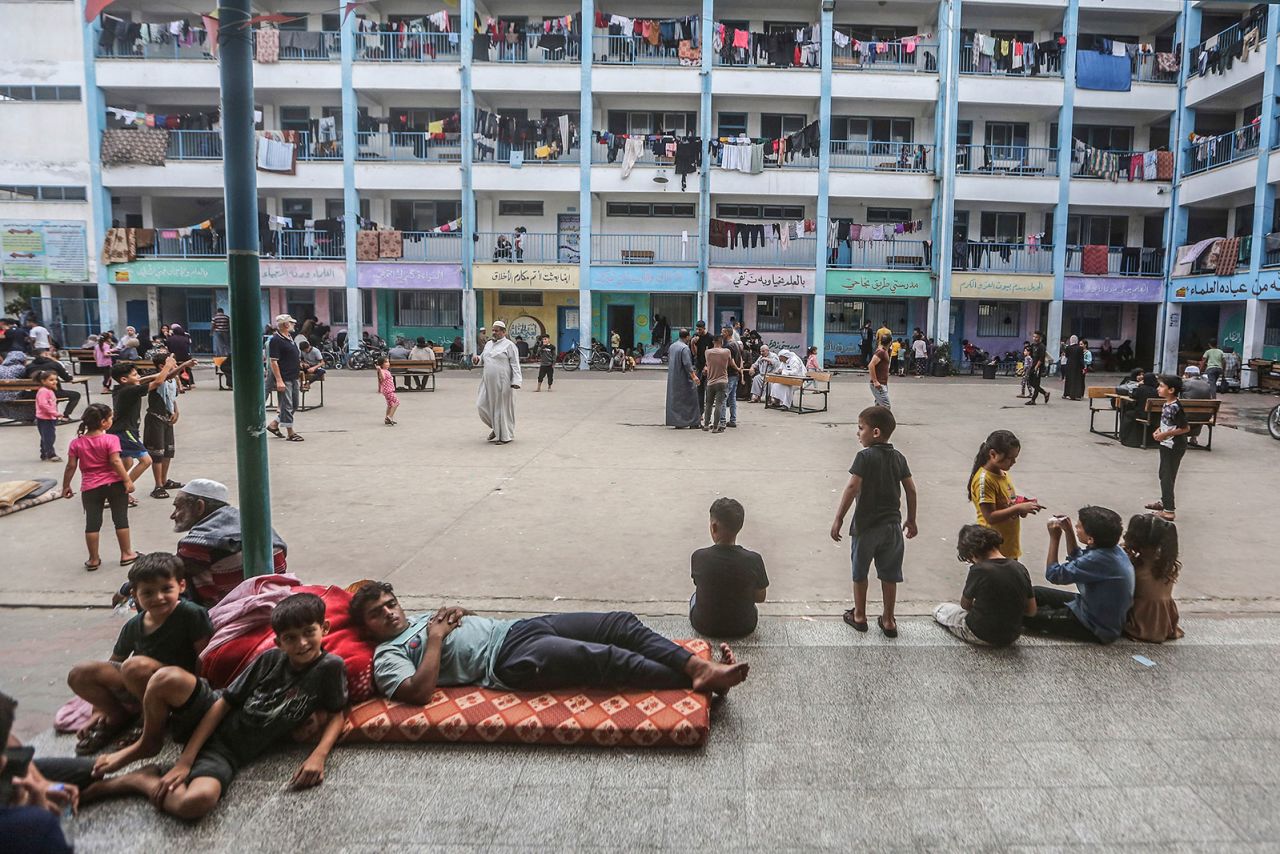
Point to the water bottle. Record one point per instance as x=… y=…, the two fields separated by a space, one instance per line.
x=68 y=820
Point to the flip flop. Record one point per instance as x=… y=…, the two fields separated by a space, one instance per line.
x=173 y=484
x=889 y=633
x=128 y=562
x=91 y=566
x=133 y=502
x=275 y=431
x=848 y=618
x=97 y=738
x=295 y=438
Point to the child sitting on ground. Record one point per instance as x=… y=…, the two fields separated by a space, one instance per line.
x=991 y=491
x=169 y=632
x=1101 y=572
x=279 y=693
x=728 y=579
x=877 y=478
x=997 y=594
x=1152 y=545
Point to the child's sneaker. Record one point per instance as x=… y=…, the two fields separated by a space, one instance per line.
x=53 y=459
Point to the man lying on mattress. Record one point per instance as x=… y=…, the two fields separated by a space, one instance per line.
x=453 y=646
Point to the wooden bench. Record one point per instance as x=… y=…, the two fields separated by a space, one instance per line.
x=1200 y=413
x=637 y=256
x=807 y=383
x=145 y=367
x=12 y=418
x=1095 y=393
x=303 y=406
x=414 y=368
x=220 y=372
x=82 y=360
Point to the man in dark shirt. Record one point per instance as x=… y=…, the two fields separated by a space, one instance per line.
x=283 y=377
x=15 y=337
x=878 y=477
x=220 y=326
x=126 y=403
x=728 y=579
x=1039 y=366
x=702 y=342
x=47 y=360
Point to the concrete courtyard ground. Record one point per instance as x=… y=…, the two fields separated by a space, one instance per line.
x=837 y=741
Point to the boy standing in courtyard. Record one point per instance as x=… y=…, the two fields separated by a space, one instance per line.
x=878 y=477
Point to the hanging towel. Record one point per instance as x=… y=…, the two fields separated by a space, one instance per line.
x=268 y=46
x=630 y=153
x=390 y=244
x=1101 y=72
x=367 y=246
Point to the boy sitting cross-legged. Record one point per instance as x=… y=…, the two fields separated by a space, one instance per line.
x=277 y=695
x=169 y=632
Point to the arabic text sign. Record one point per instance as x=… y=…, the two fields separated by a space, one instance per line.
x=533 y=277
x=43 y=251
x=644 y=279
x=272 y=274
x=423 y=277
x=878 y=283
x=1223 y=288
x=1112 y=289
x=760 y=280
x=1005 y=287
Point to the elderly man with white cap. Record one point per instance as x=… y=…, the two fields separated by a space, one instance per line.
x=283 y=376
x=496 y=402
x=1195 y=387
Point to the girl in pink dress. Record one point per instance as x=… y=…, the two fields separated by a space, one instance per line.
x=387 y=385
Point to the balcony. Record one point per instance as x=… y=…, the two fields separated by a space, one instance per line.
x=1214 y=151
x=799 y=252
x=1012 y=160
x=432 y=247
x=990 y=257
x=484 y=154
x=881 y=255
x=402 y=146
x=294 y=243
x=295 y=45
x=869 y=156
x=408 y=47
x=986 y=66
x=1121 y=261
x=536 y=48
x=645 y=249
x=897 y=56
x=1270 y=250
x=1145 y=71
x=207 y=145
x=1123 y=163
x=758 y=55
x=634 y=50
x=526 y=248
x=201 y=243
x=1226 y=43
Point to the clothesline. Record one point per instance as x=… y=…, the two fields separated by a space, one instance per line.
x=751 y=235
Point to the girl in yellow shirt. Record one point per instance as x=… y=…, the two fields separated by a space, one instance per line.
x=996 y=504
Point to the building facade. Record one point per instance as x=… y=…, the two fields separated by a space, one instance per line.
x=979 y=170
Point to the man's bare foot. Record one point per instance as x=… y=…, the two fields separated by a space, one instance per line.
x=115 y=761
x=717 y=676
x=141 y=782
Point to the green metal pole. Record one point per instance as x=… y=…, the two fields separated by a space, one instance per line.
x=239 y=161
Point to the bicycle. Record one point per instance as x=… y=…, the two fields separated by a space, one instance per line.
x=1273 y=422
x=597 y=359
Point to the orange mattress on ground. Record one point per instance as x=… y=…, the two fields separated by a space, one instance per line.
x=588 y=716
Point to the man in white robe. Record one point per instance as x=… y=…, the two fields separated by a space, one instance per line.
x=496 y=402
x=766 y=364
x=791 y=367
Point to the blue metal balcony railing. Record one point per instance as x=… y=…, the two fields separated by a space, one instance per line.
x=408 y=47
x=645 y=249
x=881 y=255
x=1017 y=160
x=173 y=49
x=1226 y=43
x=1122 y=261
x=1123 y=163
x=529 y=248
x=987 y=257
x=410 y=146
x=309 y=46
x=870 y=156
x=1270 y=257
x=201 y=243
x=535 y=48
x=309 y=244
x=986 y=65
x=430 y=246
x=207 y=145
x=1214 y=151
x=799 y=252
x=885 y=56
x=633 y=50
x=484 y=154
x=294 y=243
x=1146 y=71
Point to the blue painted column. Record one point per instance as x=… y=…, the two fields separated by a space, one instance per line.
x=939 y=321
x=1255 y=316
x=1188 y=31
x=350 y=198
x=1066 y=118
x=706 y=127
x=467 y=122
x=818 y=317
x=586 y=116
x=99 y=196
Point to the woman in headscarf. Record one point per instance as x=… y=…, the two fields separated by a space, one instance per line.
x=1073 y=371
x=791 y=367
x=129 y=343
x=1131 y=430
x=103 y=357
x=178 y=343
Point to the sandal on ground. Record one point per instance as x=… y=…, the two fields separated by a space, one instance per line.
x=159 y=492
x=126 y=738
x=97 y=738
x=91 y=566
x=172 y=484
x=859 y=626
x=1154 y=505
x=275 y=431
x=1167 y=515
x=124 y=561
x=133 y=502
x=388 y=422
x=295 y=438
x=889 y=633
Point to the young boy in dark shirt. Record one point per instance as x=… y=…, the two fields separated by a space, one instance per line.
x=878 y=477
x=277 y=695
x=126 y=406
x=168 y=632
x=728 y=579
x=997 y=593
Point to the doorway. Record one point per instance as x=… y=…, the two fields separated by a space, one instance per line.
x=199 y=321
x=135 y=315
x=566 y=328
x=622 y=319
x=1199 y=326
x=1144 y=348
x=728 y=310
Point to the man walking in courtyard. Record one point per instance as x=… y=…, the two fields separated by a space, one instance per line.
x=683 y=410
x=283 y=375
x=496 y=402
